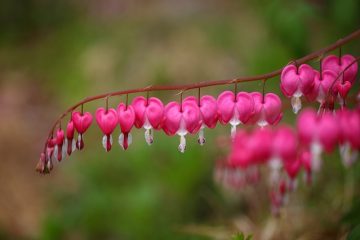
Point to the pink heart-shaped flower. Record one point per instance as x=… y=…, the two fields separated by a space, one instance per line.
x=126 y=116
x=107 y=120
x=185 y=119
x=342 y=88
x=267 y=109
x=245 y=106
x=173 y=118
x=338 y=65
x=70 y=130
x=292 y=168
x=139 y=104
x=81 y=121
x=322 y=85
x=261 y=137
x=306 y=126
x=240 y=155
x=226 y=106
x=208 y=109
x=295 y=79
x=155 y=112
x=328 y=131
x=60 y=136
x=284 y=144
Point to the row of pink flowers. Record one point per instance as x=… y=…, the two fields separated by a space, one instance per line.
x=286 y=151
x=190 y=116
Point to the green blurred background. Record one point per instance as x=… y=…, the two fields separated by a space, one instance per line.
x=54 y=53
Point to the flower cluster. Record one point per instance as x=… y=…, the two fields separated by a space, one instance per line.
x=190 y=116
x=335 y=78
x=286 y=151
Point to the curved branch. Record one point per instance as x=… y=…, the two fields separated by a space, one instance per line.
x=185 y=87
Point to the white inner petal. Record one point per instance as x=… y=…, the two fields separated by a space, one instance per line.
x=121 y=140
x=201 y=139
x=149 y=137
x=296 y=104
x=275 y=164
x=104 y=141
x=316 y=160
x=182 y=145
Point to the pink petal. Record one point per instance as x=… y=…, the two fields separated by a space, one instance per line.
x=245 y=106
x=226 y=105
x=107 y=121
x=126 y=117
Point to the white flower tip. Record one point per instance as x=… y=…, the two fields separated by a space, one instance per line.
x=296 y=104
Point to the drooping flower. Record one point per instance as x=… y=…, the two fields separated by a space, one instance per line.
x=208 y=114
x=149 y=114
x=322 y=84
x=181 y=119
x=126 y=115
x=284 y=150
x=81 y=122
x=235 y=110
x=338 y=65
x=70 y=141
x=107 y=119
x=344 y=82
x=295 y=82
x=267 y=109
x=349 y=125
x=58 y=150
x=319 y=132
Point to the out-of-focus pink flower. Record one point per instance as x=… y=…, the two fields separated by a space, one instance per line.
x=319 y=132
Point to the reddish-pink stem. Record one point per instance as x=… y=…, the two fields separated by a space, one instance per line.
x=185 y=87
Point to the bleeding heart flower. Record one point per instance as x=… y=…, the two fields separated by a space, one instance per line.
x=107 y=121
x=261 y=137
x=181 y=119
x=349 y=125
x=126 y=120
x=70 y=141
x=235 y=110
x=319 y=132
x=284 y=149
x=341 y=89
x=59 y=144
x=292 y=169
x=338 y=65
x=208 y=114
x=322 y=86
x=240 y=155
x=296 y=82
x=41 y=165
x=305 y=159
x=149 y=114
x=81 y=122
x=267 y=109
